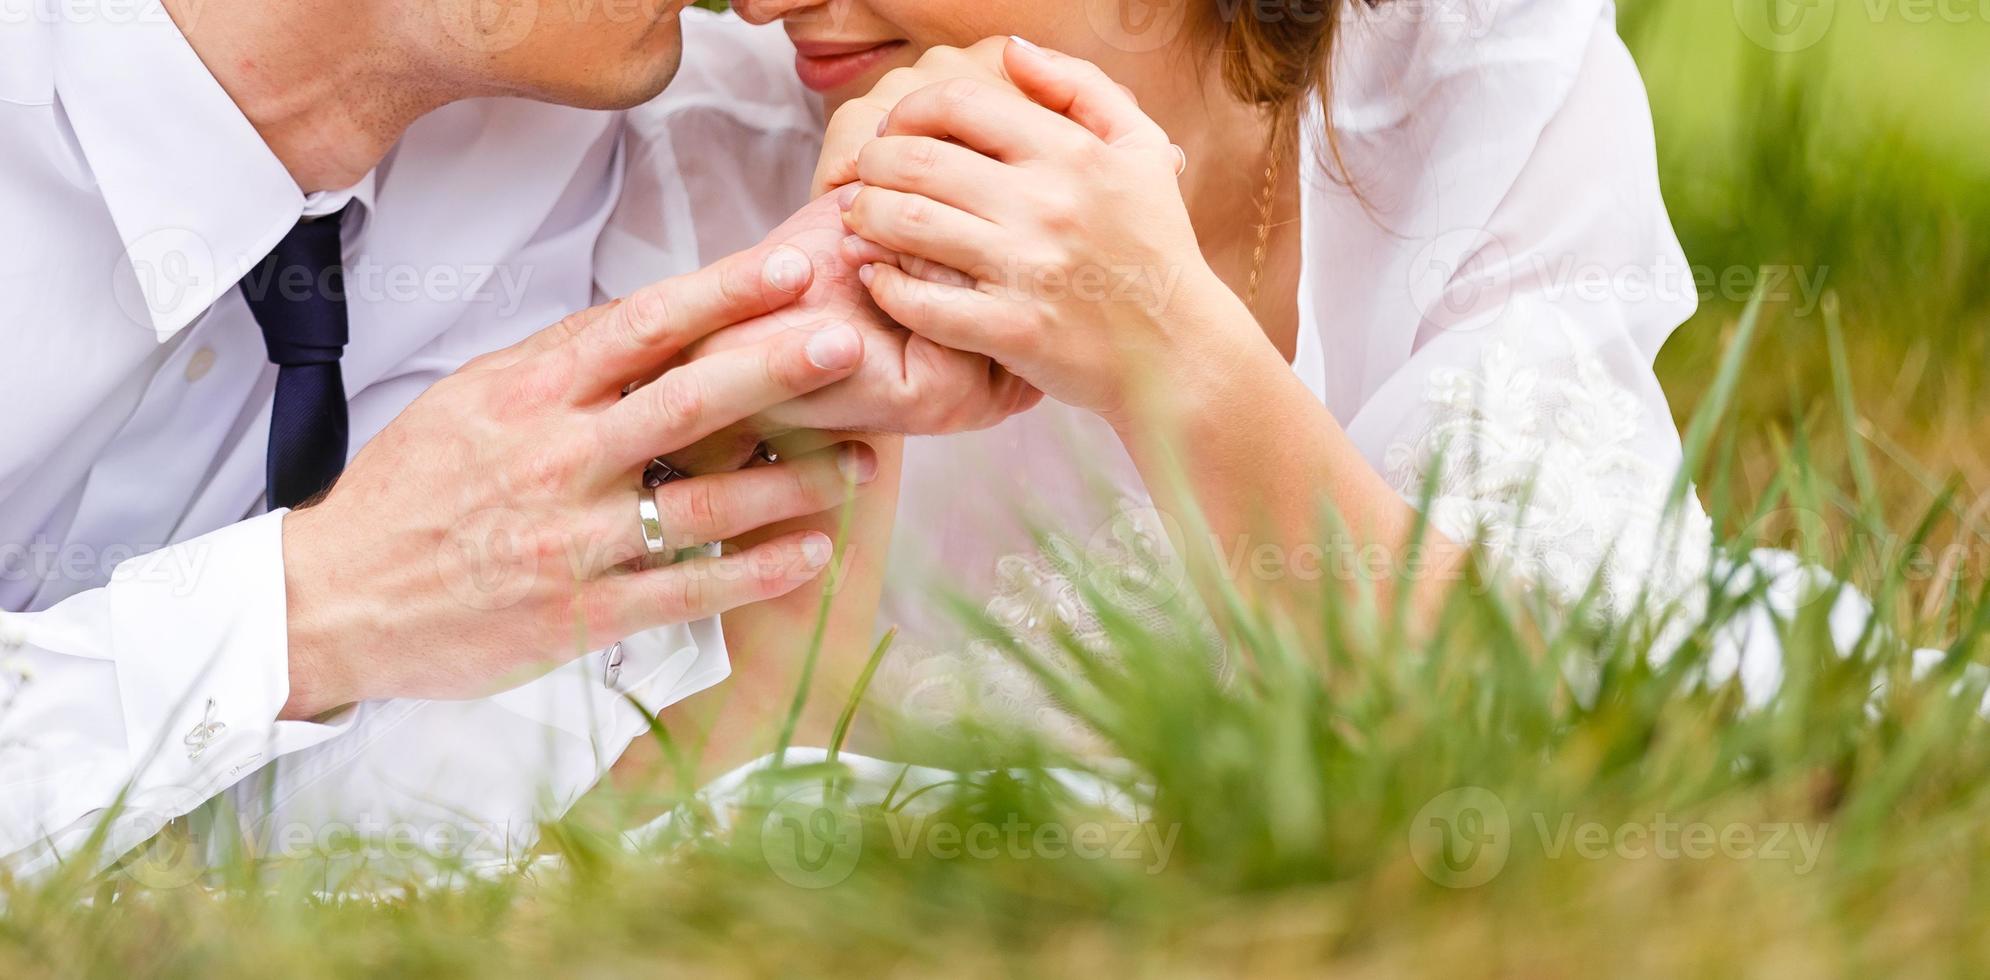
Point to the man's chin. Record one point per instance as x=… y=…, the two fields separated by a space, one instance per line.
x=644 y=77
x=661 y=72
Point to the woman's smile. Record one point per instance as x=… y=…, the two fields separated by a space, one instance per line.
x=828 y=65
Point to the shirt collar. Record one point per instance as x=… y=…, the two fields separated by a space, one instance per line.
x=197 y=197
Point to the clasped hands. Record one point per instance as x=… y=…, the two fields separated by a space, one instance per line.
x=490 y=532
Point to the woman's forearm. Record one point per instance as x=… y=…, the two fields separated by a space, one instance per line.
x=1287 y=501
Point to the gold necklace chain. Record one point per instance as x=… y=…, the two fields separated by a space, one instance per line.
x=1264 y=221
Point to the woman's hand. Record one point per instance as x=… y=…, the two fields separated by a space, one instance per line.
x=1066 y=250
x=855 y=123
x=907 y=384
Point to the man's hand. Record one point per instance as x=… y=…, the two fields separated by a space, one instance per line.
x=491 y=532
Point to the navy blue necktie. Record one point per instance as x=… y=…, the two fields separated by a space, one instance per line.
x=298 y=297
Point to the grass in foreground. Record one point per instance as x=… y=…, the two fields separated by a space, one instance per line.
x=1298 y=816
x=1521 y=793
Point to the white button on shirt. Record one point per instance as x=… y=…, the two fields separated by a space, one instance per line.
x=142 y=602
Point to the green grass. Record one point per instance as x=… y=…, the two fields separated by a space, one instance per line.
x=1287 y=804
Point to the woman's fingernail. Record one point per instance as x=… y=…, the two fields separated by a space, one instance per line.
x=884 y=124
x=1026 y=44
x=867 y=273
x=787 y=269
x=847 y=197
x=858 y=463
x=835 y=348
x=816 y=549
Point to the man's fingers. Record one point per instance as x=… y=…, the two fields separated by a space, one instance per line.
x=1083 y=92
x=706 y=587
x=702 y=397
x=557 y=335
x=732 y=504
x=850 y=129
x=1013 y=393
x=642 y=333
x=723 y=506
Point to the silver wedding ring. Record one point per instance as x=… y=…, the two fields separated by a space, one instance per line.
x=652 y=522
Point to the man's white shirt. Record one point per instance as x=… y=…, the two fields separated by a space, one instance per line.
x=143 y=654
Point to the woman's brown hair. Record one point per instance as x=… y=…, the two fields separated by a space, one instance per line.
x=1277 y=54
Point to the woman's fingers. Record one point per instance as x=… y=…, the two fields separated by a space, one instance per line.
x=1000 y=123
x=856 y=122
x=723 y=506
x=708 y=586
x=636 y=337
x=860 y=253
x=956 y=317
x=1083 y=92
x=946 y=172
x=921 y=226
x=702 y=397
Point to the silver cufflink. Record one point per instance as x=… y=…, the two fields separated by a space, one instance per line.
x=203 y=734
x=612 y=676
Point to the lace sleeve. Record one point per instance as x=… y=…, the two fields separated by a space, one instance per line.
x=1558 y=469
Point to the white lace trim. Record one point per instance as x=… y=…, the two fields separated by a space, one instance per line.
x=1037 y=599
x=1538 y=462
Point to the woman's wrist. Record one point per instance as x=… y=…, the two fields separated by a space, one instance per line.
x=1215 y=355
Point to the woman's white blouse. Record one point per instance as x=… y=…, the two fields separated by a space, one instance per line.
x=1496 y=304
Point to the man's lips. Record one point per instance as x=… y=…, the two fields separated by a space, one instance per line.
x=825 y=65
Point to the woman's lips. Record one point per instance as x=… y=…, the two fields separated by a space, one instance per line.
x=824 y=66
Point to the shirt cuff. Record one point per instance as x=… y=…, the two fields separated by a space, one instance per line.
x=200 y=639
x=589 y=698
